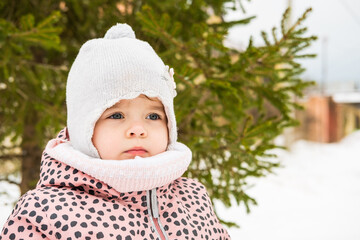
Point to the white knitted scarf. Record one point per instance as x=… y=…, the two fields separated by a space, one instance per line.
x=126 y=175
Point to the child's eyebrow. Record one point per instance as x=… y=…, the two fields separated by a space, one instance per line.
x=159 y=108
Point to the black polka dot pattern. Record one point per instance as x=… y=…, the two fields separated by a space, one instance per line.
x=69 y=204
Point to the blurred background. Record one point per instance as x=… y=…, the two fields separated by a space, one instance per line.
x=332 y=104
x=316 y=195
x=312 y=188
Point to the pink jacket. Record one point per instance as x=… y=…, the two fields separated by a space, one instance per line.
x=70 y=204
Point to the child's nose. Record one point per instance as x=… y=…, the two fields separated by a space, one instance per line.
x=136 y=130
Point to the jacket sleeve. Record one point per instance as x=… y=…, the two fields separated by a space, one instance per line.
x=26 y=221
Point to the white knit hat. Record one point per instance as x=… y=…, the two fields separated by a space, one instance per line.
x=109 y=69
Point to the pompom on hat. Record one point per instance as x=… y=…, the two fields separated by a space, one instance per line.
x=107 y=70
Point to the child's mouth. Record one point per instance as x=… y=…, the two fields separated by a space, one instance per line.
x=136 y=151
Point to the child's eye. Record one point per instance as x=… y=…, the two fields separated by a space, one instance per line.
x=116 y=116
x=153 y=116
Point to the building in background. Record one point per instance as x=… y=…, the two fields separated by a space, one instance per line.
x=328 y=117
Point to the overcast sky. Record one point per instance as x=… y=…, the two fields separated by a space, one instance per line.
x=335 y=22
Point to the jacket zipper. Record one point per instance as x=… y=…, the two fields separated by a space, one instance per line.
x=153 y=210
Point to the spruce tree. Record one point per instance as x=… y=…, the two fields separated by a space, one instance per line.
x=230 y=106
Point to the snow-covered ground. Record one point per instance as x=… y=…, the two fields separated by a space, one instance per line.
x=6 y=201
x=315 y=196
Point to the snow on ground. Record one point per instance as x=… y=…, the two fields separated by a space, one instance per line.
x=7 y=201
x=315 y=196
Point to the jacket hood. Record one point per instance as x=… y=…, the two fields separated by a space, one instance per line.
x=55 y=173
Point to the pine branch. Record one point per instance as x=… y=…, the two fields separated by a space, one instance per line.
x=192 y=112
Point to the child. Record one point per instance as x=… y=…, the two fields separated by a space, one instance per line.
x=115 y=172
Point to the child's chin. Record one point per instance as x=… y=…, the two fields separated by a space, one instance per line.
x=126 y=156
x=133 y=156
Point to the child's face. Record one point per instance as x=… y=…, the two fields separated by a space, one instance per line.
x=136 y=127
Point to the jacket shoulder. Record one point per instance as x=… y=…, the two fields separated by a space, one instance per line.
x=192 y=186
x=189 y=182
x=188 y=189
